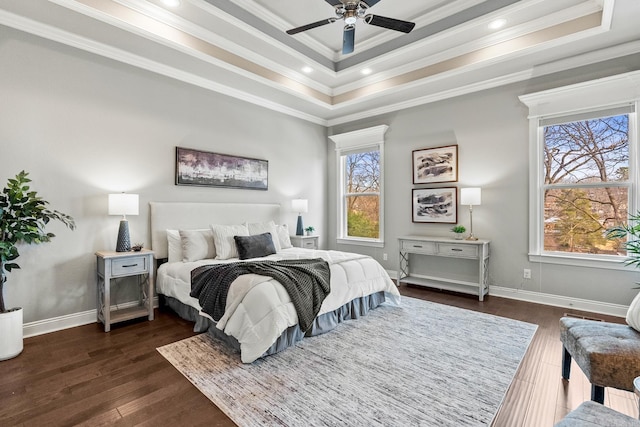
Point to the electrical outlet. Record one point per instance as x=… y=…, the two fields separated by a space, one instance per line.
x=527 y=273
x=385 y=257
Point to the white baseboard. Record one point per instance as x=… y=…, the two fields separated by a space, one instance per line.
x=560 y=301
x=54 y=324
x=552 y=300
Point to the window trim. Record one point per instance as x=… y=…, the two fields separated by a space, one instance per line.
x=369 y=138
x=622 y=90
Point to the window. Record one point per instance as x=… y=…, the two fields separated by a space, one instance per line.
x=586 y=186
x=360 y=186
x=583 y=171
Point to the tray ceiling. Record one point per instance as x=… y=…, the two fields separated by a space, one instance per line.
x=240 y=48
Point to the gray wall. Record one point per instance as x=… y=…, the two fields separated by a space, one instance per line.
x=85 y=126
x=491 y=130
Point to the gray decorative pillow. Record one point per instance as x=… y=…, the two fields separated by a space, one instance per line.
x=255 y=246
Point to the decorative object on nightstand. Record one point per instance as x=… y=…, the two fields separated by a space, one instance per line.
x=471 y=196
x=307 y=242
x=309 y=230
x=23 y=219
x=123 y=204
x=117 y=265
x=301 y=206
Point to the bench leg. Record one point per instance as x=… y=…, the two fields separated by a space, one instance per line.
x=597 y=393
x=566 y=364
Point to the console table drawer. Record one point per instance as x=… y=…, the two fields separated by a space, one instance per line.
x=130 y=265
x=454 y=250
x=415 y=246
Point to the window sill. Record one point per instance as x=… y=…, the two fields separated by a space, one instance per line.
x=590 y=261
x=361 y=242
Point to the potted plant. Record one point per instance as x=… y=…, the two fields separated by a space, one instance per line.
x=630 y=232
x=458 y=230
x=23 y=218
x=309 y=230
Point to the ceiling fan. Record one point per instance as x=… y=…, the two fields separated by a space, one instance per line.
x=350 y=11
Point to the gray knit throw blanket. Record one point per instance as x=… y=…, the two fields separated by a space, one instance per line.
x=306 y=281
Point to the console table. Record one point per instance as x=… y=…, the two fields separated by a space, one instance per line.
x=418 y=246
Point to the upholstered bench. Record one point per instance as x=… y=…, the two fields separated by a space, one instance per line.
x=607 y=353
x=591 y=414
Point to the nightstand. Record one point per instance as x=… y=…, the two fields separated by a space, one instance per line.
x=307 y=242
x=116 y=265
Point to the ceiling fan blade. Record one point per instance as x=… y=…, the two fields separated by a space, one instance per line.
x=334 y=3
x=348 y=39
x=310 y=26
x=370 y=3
x=390 y=23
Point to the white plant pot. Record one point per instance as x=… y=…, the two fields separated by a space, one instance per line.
x=11 y=333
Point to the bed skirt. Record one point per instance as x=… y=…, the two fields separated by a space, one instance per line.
x=322 y=324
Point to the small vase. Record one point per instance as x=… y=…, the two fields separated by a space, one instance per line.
x=458 y=236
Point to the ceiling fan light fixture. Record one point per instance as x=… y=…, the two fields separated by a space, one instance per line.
x=350 y=20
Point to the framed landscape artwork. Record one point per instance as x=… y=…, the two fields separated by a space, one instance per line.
x=435 y=205
x=433 y=165
x=203 y=168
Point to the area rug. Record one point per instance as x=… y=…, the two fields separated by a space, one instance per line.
x=420 y=364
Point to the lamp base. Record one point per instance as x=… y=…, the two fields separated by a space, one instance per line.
x=124 y=242
x=472 y=237
x=299 y=229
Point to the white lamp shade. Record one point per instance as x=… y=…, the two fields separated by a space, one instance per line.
x=299 y=205
x=123 y=204
x=470 y=196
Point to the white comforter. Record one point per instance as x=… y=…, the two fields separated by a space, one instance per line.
x=259 y=309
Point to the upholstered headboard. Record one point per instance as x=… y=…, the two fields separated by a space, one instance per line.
x=188 y=215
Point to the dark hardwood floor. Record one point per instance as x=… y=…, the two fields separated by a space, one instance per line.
x=83 y=376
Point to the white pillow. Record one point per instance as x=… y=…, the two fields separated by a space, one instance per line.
x=283 y=236
x=197 y=245
x=633 y=313
x=265 y=227
x=174 y=246
x=224 y=241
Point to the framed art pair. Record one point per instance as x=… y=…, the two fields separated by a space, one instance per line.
x=434 y=166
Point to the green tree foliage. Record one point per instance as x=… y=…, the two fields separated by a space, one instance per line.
x=578 y=226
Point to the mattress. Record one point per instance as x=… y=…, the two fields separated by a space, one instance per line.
x=259 y=309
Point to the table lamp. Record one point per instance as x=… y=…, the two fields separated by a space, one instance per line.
x=470 y=196
x=123 y=204
x=300 y=206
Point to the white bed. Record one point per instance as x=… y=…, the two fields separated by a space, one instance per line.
x=259 y=314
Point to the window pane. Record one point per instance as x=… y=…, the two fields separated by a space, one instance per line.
x=594 y=150
x=363 y=216
x=575 y=219
x=362 y=174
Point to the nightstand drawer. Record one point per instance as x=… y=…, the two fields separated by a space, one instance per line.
x=462 y=251
x=309 y=244
x=132 y=265
x=415 y=246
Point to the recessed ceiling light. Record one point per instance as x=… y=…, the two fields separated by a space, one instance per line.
x=366 y=71
x=171 y=3
x=498 y=23
x=307 y=69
